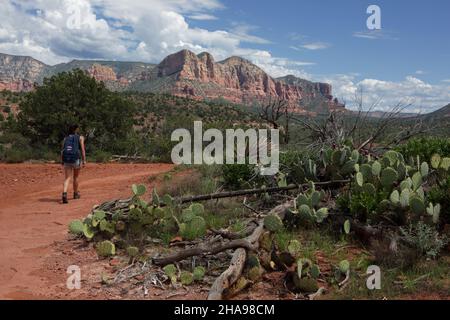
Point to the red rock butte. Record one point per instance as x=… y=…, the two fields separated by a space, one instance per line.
x=184 y=74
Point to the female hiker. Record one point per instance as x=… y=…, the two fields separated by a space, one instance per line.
x=73 y=157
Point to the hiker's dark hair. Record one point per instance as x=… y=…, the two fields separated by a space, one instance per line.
x=73 y=128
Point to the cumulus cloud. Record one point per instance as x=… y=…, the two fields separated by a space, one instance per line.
x=419 y=96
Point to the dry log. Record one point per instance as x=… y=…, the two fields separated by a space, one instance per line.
x=237 y=193
x=201 y=250
x=126 y=157
x=234 y=271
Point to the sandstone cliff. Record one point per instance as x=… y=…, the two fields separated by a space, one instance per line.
x=183 y=73
x=237 y=80
x=19 y=73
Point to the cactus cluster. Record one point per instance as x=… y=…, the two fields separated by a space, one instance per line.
x=186 y=278
x=396 y=186
x=306 y=205
x=340 y=163
x=192 y=224
x=305 y=279
x=139 y=219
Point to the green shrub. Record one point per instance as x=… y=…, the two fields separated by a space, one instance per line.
x=425 y=148
x=365 y=205
x=13 y=155
x=99 y=156
x=423 y=238
x=237 y=176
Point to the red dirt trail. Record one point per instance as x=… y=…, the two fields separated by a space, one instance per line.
x=33 y=221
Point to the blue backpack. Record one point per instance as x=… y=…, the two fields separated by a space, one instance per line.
x=71 y=151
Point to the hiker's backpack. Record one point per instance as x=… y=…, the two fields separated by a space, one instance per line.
x=71 y=151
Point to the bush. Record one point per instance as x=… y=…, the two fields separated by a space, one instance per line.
x=425 y=148
x=424 y=239
x=75 y=97
x=237 y=176
x=100 y=156
x=13 y=155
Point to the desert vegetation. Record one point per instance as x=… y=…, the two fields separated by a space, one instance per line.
x=352 y=191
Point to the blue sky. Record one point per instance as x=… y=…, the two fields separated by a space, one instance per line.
x=408 y=60
x=416 y=34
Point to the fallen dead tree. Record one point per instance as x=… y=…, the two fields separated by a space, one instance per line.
x=238 y=193
x=117 y=157
x=203 y=249
x=234 y=271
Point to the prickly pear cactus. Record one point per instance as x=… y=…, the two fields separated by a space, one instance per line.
x=186 y=278
x=138 y=190
x=273 y=223
x=417 y=205
x=171 y=271
x=388 y=177
x=106 y=248
x=294 y=247
x=132 y=251
x=435 y=161
x=76 y=227
x=199 y=273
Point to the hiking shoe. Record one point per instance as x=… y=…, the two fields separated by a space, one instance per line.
x=64 y=198
x=76 y=195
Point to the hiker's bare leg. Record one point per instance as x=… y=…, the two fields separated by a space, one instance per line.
x=68 y=172
x=76 y=173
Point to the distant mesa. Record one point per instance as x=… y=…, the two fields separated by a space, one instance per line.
x=183 y=74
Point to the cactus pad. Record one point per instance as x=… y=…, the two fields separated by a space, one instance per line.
x=106 y=249
x=76 y=227
x=132 y=251
x=138 y=190
x=417 y=205
x=186 y=278
x=376 y=168
x=273 y=223
x=388 y=177
x=359 y=179
x=199 y=273
x=435 y=161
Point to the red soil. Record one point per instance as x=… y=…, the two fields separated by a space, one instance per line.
x=34 y=254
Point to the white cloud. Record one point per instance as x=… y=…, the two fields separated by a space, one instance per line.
x=127 y=30
x=422 y=96
x=275 y=66
x=375 y=34
x=243 y=30
x=316 y=45
x=202 y=16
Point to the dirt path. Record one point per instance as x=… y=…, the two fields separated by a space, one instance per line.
x=33 y=222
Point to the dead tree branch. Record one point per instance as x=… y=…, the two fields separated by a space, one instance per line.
x=202 y=250
x=234 y=271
